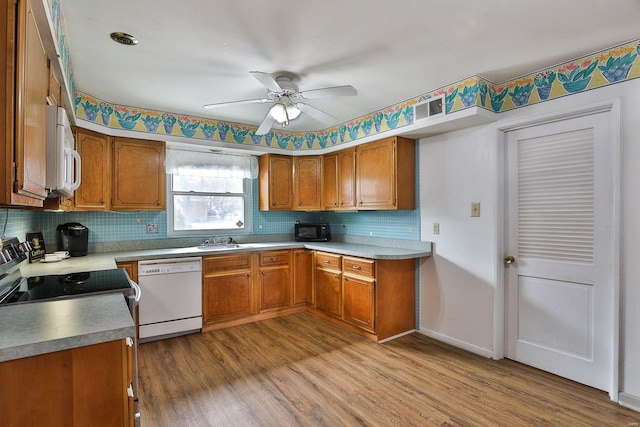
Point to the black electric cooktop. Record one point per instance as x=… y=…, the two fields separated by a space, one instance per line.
x=37 y=288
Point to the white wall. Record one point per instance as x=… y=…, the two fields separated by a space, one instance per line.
x=458 y=283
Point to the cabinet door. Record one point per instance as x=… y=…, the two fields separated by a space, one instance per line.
x=376 y=170
x=227 y=296
x=54 y=93
x=302 y=276
x=358 y=301
x=276 y=182
x=139 y=178
x=346 y=179
x=94 y=150
x=275 y=285
x=328 y=293
x=330 y=182
x=306 y=178
x=32 y=83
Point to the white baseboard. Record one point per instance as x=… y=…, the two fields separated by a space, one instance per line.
x=396 y=336
x=629 y=401
x=457 y=343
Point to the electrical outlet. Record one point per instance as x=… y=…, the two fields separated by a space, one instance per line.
x=152 y=228
x=475 y=209
x=436 y=228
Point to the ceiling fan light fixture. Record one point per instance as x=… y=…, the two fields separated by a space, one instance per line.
x=282 y=113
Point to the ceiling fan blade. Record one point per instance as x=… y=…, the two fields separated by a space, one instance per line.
x=329 y=92
x=319 y=115
x=266 y=125
x=267 y=80
x=233 y=103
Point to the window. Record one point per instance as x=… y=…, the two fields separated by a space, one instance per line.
x=208 y=194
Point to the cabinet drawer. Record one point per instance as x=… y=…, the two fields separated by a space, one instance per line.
x=274 y=258
x=325 y=260
x=226 y=263
x=360 y=266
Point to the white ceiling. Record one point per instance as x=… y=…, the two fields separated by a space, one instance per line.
x=197 y=52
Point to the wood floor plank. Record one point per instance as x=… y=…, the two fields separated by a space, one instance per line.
x=299 y=370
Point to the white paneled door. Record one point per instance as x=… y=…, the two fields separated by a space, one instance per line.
x=560 y=248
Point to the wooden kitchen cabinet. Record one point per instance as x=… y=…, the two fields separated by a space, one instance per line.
x=23 y=93
x=328 y=284
x=275 y=182
x=94 y=192
x=303 y=277
x=120 y=173
x=275 y=279
x=329 y=184
x=346 y=179
x=307 y=173
x=358 y=287
x=385 y=174
x=138 y=175
x=373 y=297
x=338 y=180
x=227 y=287
x=131 y=267
x=81 y=386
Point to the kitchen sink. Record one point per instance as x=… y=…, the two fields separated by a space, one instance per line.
x=218 y=247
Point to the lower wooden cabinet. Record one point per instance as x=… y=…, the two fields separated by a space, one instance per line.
x=303 y=281
x=373 y=297
x=227 y=287
x=358 y=301
x=81 y=387
x=275 y=279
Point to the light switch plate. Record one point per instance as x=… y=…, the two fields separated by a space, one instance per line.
x=436 y=228
x=475 y=208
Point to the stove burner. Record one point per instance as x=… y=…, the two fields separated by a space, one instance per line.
x=76 y=278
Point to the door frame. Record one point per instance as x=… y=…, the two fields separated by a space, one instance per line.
x=611 y=106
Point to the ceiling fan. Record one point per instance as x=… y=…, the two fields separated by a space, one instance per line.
x=287 y=100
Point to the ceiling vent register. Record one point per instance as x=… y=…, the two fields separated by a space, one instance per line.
x=432 y=107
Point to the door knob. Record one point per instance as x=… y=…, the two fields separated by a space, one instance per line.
x=509 y=260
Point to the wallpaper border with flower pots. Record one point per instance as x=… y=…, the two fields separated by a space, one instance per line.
x=609 y=66
x=60 y=35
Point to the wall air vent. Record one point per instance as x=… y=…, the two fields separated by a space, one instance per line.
x=431 y=107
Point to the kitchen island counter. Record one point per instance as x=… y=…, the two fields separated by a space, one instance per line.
x=54 y=325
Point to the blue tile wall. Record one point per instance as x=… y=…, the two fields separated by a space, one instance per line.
x=122 y=226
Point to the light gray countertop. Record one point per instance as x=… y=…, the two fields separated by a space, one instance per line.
x=43 y=327
x=49 y=326
x=107 y=260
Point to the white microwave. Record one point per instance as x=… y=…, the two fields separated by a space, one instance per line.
x=63 y=161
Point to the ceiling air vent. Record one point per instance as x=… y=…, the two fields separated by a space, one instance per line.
x=430 y=108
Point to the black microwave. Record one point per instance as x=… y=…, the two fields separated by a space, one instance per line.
x=312 y=232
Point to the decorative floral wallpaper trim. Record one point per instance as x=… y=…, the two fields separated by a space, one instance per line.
x=61 y=36
x=609 y=66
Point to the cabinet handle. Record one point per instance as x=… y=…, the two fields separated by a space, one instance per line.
x=326 y=261
x=274 y=259
x=356 y=267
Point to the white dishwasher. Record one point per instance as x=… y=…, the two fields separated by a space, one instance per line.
x=171 y=302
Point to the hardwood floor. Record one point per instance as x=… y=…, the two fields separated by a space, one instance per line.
x=302 y=370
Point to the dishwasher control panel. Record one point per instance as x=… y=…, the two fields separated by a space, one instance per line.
x=169 y=266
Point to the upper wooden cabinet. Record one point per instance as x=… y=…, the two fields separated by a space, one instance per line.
x=338 y=180
x=138 y=180
x=329 y=183
x=346 y=179
x=375 y=176
x=306 y=182
x=25 y=81
x=120 y=173
x=94 y=192
x=385 y=174
x=276 y=182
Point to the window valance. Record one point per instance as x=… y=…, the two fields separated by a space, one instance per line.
x=201 y=163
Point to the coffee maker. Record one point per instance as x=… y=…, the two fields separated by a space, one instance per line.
x=73 y=237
